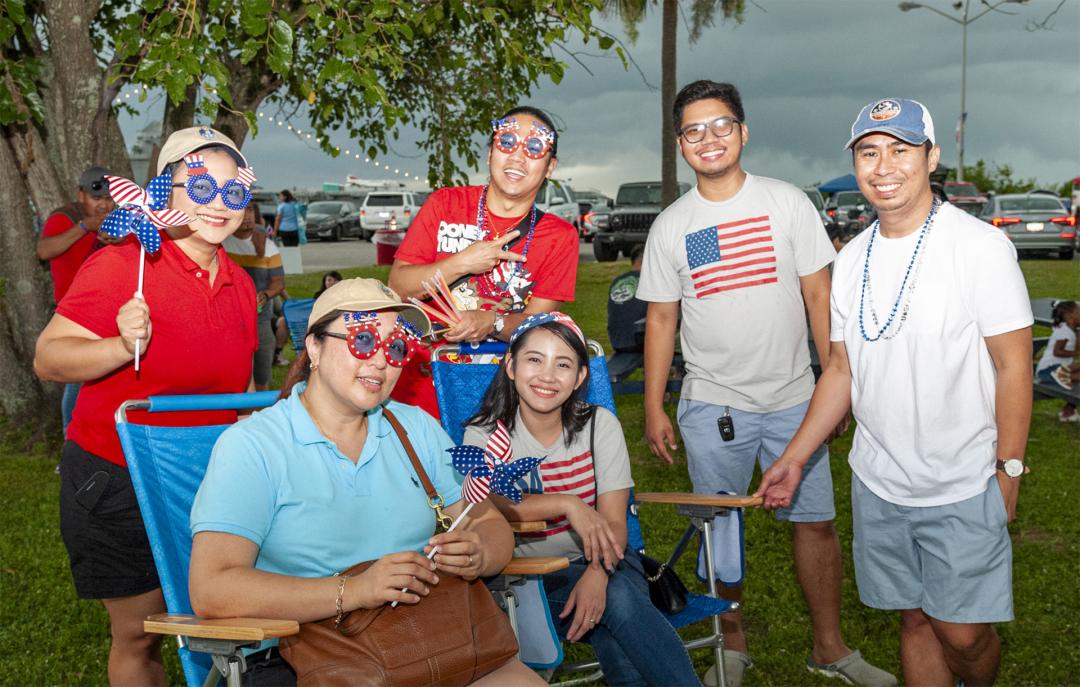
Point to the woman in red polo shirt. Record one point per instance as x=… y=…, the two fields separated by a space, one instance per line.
x=196 y=325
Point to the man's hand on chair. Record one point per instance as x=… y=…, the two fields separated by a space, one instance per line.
x=587 y=602
x=779 y=483
x=660 y=434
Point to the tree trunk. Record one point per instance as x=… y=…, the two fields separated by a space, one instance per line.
x=668 y=51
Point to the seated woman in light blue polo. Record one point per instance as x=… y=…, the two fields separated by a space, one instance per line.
x=320 y=481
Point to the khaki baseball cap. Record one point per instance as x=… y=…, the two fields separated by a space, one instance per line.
x=185 y=141
x=355 y=295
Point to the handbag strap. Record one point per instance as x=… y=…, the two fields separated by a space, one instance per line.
x=434 y=500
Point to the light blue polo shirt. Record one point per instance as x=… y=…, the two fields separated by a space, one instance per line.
x=275 y=480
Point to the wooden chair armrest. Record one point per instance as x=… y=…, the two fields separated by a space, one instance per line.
x=255 y=629
x=535 y=565
x=684 y=499
x=528 y=526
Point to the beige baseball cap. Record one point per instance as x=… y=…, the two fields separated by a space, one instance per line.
x=355 y=295
x=185 y=141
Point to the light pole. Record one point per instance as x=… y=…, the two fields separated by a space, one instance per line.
x=963 y=20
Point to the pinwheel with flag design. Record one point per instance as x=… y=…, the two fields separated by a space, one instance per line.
x=143 y=213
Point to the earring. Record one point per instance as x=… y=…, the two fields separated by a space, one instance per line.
x=313 y=366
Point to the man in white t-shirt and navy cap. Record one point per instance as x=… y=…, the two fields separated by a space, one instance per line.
x=744 y=260
x=931 y=351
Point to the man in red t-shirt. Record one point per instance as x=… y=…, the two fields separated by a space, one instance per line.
x=503 y=258
x=68 y=238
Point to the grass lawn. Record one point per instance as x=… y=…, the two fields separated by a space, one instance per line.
x=49 y=637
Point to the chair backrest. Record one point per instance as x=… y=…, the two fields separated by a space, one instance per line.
x=296 y=312
x=167 y=465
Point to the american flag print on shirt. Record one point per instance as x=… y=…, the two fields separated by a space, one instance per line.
x=575 y=476
x=733 y=255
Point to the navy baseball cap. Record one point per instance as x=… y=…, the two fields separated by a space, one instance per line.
x=908 y=120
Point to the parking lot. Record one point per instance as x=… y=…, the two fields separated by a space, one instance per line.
x=320 y=256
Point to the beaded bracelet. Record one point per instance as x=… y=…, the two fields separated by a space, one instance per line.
x=338 y=606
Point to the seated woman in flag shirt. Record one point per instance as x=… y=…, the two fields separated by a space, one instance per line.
x=581 y=489
x=194 y=325
x=502 y=257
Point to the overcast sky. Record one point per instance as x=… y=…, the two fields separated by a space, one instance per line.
x=804 y=68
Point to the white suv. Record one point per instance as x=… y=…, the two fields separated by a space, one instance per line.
x=556 y=198
x=381 y=206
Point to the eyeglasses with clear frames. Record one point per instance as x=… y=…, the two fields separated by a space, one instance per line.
x=720 y=127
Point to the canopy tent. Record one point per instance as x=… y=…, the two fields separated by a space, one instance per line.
x=844 y=183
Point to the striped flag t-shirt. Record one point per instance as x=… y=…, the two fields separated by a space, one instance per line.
x=735 y=268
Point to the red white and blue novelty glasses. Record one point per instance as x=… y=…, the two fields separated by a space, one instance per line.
x=537 y=144
x=202 y=188
x=364 y=340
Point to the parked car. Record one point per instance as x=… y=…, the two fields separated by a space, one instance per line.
x=1035 y=222
x=556 y=198
x=333 y=220
x=965 y=195
x=636 y=206
x=589 y=204
x=382 y=206
x=818 y=201
x=847 y=210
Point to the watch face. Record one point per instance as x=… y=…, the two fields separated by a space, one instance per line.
x=1014 y=467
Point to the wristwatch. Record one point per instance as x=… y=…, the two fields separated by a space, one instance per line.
x=1013 y=467
x=499 y=322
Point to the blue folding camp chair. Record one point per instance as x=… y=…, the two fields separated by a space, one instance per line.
x=296 y=312
x=460 y=389
x=167 y=465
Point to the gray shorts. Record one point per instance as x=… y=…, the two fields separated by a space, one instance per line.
x=953 y=561
x=263 y=364
x=728 y=466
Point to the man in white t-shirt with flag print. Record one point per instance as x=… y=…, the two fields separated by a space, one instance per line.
x=931 y=351
x=746 y=260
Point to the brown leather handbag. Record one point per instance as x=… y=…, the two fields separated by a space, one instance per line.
x=454 y=636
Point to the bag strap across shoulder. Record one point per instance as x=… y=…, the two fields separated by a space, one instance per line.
x=403 y=436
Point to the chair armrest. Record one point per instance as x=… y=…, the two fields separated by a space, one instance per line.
x=255 y=629
x=535 y=565
x=528 y=526
x=714 y=500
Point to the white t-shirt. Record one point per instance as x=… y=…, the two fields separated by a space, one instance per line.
x=1061 y=332
x=924 y=400
x=735 y=267
x=568 y=470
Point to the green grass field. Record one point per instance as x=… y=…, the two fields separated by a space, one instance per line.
x=49 y=637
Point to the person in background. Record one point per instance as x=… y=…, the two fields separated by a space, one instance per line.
x=931 y=352
x=329 y=279
x=69 y=236
x=287 y=221
x=1057 y=364
x=195 y=323
x=624 y=308
x=269 y=278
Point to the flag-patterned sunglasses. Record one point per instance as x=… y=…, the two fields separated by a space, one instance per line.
x=537 y=144
x=202 y=188
x=364 y=340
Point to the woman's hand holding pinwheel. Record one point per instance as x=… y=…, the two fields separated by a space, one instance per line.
x=597 y=538
x=458 y=552
x=385 y=581
x=133 y=323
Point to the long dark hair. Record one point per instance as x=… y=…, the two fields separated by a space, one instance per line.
x=300 y=370
x=501 y=399
x=1061 y=309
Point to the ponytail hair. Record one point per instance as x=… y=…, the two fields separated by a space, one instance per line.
x=1060 y=310
x=501 y=400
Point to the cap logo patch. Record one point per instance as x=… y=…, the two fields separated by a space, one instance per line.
x=206 y=133
x=386 y=291
x=884 y=110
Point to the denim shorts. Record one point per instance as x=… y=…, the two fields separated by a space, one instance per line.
x=728 y=466
x=952 y=561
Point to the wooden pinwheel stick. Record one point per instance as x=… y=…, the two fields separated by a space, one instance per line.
x=435 y=549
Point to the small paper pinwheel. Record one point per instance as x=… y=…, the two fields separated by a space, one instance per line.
x=142 y=213
x=487 y=469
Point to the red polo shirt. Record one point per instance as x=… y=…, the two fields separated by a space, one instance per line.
x=202 y=340
x=65 y=265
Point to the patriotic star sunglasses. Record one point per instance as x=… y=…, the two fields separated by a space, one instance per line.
x=537 y=144
x=363 y=338
x=202 y=188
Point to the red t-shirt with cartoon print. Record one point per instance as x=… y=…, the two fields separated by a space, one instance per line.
x=446 y=225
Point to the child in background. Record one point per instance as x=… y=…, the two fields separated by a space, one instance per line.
x=581 y=490
x=1057 y=365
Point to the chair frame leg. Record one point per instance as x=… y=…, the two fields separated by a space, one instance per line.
x=227 y=655
x=718 y=631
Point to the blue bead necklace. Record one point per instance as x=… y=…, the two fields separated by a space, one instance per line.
x=485 y=233
x=912 y=273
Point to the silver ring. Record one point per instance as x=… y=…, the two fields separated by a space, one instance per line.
x=470 y=559
x=592 y=621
